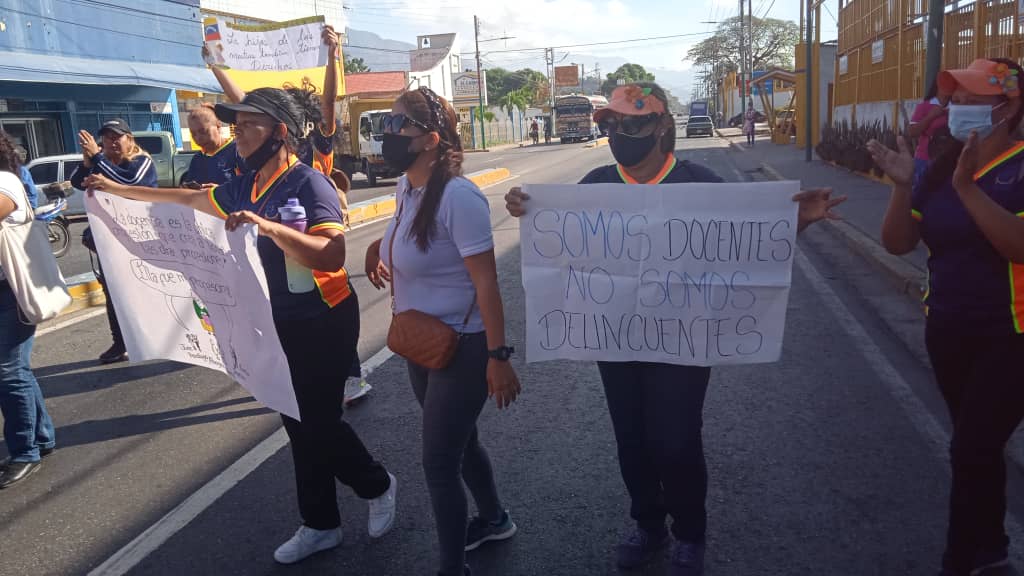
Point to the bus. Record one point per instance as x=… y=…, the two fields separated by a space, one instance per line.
x=574 y=120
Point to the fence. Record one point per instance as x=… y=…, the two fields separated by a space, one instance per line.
x=497 y=132
x=882 y=50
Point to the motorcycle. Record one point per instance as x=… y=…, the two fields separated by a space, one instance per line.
x=53 y=214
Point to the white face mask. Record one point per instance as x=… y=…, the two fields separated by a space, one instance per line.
x=967 y=118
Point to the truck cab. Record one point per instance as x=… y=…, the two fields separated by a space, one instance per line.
x=360 y=142
x=171 y=163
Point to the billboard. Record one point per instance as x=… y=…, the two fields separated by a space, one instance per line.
x=567 y=76
x=466 y=89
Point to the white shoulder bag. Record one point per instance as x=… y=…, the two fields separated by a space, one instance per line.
x=31 y=269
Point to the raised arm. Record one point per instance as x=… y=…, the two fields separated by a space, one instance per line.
x=195 y=199
x=330 y=95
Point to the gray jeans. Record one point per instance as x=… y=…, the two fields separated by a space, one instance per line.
x=452 y=400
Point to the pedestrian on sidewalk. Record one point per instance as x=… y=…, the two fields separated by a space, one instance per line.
x=28 y=430
x=749 y=118
x=318 y=329
x=966 y=209
x=438 y=255
x=657 y=408
x=121 y=160
x=928 y=125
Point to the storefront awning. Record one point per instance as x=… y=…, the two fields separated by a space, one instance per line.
x=27 y=67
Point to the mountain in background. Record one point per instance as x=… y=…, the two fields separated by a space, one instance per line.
x=382 y=54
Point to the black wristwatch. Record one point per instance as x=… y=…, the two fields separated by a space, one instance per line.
x=502 y=353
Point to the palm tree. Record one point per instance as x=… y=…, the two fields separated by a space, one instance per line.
x=515 y=100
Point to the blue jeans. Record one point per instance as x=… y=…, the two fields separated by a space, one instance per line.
x=27 y=426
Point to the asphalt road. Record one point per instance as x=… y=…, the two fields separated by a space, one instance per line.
x=831 y=461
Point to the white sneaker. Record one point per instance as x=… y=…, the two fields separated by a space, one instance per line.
x=382 y=511
x=356 y=390
x=305 y=543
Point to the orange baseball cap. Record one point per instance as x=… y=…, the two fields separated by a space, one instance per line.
x=982 y=77
x=631 y=100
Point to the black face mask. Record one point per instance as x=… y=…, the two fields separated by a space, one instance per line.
x=397 y=153
x=263 y=154
x=631 y=150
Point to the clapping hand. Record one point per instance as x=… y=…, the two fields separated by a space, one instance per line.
x=898 y=165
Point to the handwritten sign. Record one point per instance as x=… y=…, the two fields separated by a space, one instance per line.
x=185 y=289
x=277 y=46
x=694 y=274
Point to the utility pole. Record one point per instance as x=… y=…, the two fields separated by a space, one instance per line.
x=750 y=45
x=936 y=25
x=479 y=83
x=743 y=59
x=809 y=78
x=583 y=79
x=549 y=57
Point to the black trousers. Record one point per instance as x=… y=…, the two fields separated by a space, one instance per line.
x=657 y=413
x=115 y=327
x=324 y=447
x=978 y=373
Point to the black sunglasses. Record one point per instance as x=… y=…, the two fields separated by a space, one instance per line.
x=628 y=125
x=393 y=123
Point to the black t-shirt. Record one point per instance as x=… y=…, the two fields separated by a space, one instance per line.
x=675 y=171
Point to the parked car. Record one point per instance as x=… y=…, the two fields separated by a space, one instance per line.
x=48 y=170
x=700 y=125
x=171 y=163
x=737 y=120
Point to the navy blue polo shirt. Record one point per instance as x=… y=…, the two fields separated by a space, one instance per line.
x=217 y=167
x=674 y=171
x=318 y=196
x=968 y=279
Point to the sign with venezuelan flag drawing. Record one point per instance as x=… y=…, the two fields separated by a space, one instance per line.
x=269 y=55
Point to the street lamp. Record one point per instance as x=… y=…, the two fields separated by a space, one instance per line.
x=480 y=77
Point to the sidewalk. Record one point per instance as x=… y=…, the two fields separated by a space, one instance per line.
x=862 y=212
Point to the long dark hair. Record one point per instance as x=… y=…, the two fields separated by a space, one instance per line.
x=424 y=106
x=308 y=103
x=941 y=169
x=10 y=160
x=668 y=141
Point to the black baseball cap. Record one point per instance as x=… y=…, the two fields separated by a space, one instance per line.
x=270 y=101
x=117 y=126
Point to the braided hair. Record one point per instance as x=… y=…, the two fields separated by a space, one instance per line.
x=10 y=160
x=426 y=107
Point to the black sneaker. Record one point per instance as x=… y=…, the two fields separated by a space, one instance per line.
x=481 y=530
x=640 y=548
x=114 y=354
x=687 y=559
x=985 y=561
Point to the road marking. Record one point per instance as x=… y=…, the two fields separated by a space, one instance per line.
x=918 y=414
x=174 y=521
x=129 y=556
x=61 y=324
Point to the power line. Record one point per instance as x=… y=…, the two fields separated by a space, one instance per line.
x=690 y=35
x=770 y=6
x=100 y=28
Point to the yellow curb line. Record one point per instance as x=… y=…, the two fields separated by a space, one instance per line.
x=84 y=295
x=603 y=141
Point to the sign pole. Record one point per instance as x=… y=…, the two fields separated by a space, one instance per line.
x=480 y=83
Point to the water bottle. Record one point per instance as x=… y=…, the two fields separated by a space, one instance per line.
x=300 y=278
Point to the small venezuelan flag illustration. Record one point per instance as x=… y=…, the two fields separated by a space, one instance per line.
x=211 y=31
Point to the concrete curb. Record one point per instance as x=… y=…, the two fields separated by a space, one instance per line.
x=384 y=206
x=84 y=294
x=603 y=141
x=909 y=279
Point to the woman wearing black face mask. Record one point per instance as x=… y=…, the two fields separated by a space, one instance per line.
x=439 y=254
x=315 y=311
x=657 y=409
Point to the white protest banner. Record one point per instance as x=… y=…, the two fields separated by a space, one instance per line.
x=276 y=46
x=694 y=274
x=185 y=289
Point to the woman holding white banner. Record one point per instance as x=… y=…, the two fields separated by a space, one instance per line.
x=28 y=430
x=656 y=408
x=438 y=255
x=316 y=311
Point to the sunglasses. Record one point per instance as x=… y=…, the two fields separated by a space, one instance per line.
x=393 y=123
x=628 y=125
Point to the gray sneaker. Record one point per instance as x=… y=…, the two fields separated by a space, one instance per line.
x=687 y=559
x=640 y=548
x=481 y=530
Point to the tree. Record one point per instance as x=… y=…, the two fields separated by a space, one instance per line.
x=628 y=73
x=355 y=66
x=515 y=100
x=500 y=82
x=774 y=43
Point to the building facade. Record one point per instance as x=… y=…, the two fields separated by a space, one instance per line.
x=67 y=66
x=434 y=64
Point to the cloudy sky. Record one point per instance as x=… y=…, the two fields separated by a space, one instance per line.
x=540 y=23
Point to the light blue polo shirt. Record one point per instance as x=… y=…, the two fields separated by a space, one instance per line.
x=436 y=281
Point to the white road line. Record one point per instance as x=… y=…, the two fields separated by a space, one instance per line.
x=918 y=414
x=159 y=533
x=174 y=521
x=61 y=324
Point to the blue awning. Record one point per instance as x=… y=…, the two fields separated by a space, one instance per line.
x=27 y=67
